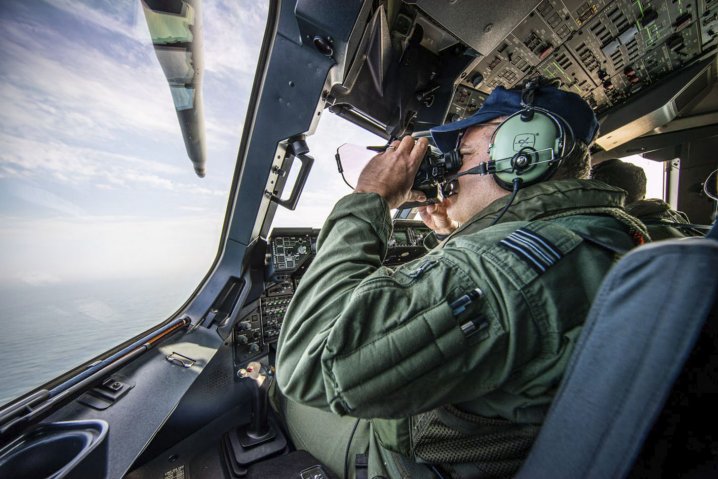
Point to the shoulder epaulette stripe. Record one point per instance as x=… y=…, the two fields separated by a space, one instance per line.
x=543 y=241
x=524 y=254
x=533 y=248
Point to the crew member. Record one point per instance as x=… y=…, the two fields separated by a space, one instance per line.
x=446 y=366
x=662 y=221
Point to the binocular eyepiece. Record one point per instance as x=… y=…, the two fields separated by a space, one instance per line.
x=435 y=171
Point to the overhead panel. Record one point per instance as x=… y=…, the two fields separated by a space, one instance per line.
x=605 y=51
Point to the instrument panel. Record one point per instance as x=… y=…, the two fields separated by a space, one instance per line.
x=290 y=252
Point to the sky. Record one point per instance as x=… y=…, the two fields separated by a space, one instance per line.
x=94 y=178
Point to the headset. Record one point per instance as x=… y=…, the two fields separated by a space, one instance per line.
x=526 y=148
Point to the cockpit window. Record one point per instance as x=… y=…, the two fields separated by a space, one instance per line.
x=655 y=175
x=325 y=186
x=105 y=229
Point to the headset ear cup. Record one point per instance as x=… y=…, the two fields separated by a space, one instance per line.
x=542 y=134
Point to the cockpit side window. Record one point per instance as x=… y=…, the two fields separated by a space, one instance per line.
x=325 y=185
x=655 y=175
x=105 y=229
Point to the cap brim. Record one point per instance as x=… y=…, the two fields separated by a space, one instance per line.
x=445 y=135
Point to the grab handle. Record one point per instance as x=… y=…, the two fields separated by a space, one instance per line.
x=299 y=150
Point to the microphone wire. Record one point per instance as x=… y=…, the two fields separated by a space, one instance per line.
x=517 y=186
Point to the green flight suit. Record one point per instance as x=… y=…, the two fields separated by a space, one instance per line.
x=464 y=388
x=662 y=221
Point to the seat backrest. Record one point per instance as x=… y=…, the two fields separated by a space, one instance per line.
x=642 y=327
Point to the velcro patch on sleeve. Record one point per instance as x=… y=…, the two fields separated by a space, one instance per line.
x=533 y=249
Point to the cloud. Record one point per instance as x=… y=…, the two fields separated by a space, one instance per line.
x=78 y=91
x=128 y=22
x=105 y=247
x=76 y=165
x=193 y=209
x=243 y=21
x=46 y=199
x=232 y=30
x=100 y=89
x=37 y=278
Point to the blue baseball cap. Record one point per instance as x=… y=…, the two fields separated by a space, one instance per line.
x=503 y=102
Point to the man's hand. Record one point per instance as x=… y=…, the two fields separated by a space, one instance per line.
x=436 y=218
x=391 y=174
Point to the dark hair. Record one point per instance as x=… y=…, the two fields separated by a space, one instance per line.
x=623 y=175
x=576 y=165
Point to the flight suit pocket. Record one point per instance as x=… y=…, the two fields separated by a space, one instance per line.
x=409 y=351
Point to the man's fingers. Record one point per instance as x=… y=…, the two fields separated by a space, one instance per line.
x=393 y=146
x=417 y=152
x=405 y=146
x=415 y=195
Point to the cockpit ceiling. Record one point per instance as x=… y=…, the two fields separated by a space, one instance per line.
x=607 y=51
x=604 y=50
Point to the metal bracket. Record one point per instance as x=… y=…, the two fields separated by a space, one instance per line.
x=180 y=360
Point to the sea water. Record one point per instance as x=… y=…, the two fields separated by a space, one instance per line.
x=50 y=329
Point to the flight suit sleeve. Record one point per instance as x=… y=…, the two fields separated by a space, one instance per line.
x=363 y=340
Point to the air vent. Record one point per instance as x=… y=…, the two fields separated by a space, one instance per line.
x=618 y=19
x=633 y=50
x=617 y=59
x=601 y=32
x=564 y=61
x=587 y=57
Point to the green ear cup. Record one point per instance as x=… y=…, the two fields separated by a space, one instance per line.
x=524 y=149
